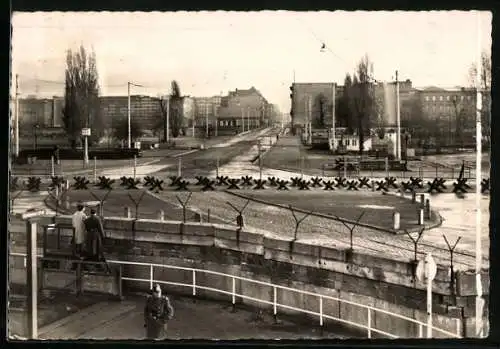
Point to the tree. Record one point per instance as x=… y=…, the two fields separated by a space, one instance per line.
x=363 y=98
x=321 y=102
x=485 y=86
x=120 y=129
x=174 y=104
x=81 y=97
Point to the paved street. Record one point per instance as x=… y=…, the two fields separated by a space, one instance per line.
x=197 y=319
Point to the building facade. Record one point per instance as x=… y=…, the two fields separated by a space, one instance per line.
x=311 y=100
x=246 y=109
x=144 y=109
x=206 y=110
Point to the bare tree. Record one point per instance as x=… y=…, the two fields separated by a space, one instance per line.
x=363 y=98
x=485 y=86
x=81 y=96
x=175 y=112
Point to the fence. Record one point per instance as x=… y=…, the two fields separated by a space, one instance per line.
x=425 y=171
x=370 y=311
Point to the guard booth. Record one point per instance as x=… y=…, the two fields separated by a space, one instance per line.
x=61 y=268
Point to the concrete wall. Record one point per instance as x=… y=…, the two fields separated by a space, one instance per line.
x=362 y=278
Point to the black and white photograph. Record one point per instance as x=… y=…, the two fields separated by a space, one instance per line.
x=221 y=175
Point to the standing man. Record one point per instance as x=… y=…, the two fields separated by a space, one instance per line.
x=95 y=236
x=78 y=220
x=157 y=312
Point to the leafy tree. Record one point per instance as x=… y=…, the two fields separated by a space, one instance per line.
x=81 y=97
x=120 y=129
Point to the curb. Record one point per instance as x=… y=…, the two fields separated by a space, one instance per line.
x=437 y=224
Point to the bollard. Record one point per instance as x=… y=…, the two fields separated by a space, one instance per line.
x=345 y=168
x=52 y=167
x=95 y=169
x=373 y=185
x=421 y=216
x=217 y=168
x=427 y=209
x=422 y=199
x=208 y=216
x=179 y=167
x=135 y=166
x=161 y=215
x=127 y=212
x=386 y=166
x=413 y=197
x=396 y=220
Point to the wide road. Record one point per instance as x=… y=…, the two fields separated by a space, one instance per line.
x=201 y=163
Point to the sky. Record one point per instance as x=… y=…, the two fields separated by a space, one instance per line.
x=210 y=53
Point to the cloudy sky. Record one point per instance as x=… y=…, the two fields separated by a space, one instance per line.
x=209 y=53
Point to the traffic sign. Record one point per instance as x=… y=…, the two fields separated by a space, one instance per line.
x=86 y=132
x=426 y=269
x=31 y=213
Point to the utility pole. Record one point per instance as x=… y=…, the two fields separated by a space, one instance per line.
x=128 y=117
x=309 y=116
x=242 y=119
x=479 y=256
x=128 y=113
x=168 y=120
x=206 y=120
x=16 y=107
x=248 y=119
x=333 y=117
x=398 y=120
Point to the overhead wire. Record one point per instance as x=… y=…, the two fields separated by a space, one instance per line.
x=328 y=48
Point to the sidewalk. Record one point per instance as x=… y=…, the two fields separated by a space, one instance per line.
x=194 y=319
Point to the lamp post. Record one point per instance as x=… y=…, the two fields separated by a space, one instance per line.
x=35 y=135
x=128 y=113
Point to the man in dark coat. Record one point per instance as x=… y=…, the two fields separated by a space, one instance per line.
x=157 y=312
x=95 y=236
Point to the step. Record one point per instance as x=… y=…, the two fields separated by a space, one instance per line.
x=75 y=325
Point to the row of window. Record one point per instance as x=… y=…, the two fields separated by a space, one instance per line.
x=447 y=98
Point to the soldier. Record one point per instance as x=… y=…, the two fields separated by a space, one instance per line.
x=95 y=236
x=157 y=312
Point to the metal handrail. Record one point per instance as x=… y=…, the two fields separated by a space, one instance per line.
x=368 y=326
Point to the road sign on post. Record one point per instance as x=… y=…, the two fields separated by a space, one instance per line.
x=86 y=132
x=427 y=270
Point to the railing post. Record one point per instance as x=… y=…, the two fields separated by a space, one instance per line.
x=194 y=282
x=275 y=304
x=321 y=311
x=369 y=325
x=151 y=276
x=233 y=293
x=420 y=331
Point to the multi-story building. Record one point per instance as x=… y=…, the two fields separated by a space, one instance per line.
x=34 y=111
x=144 y=109
x=188 y=110
x=243 y=108
x=206 y=109
x=310 y=101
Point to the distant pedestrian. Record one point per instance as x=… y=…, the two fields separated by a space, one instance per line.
x=78 y=220
x=95 y=236
x=157 y=312
x=56 y=154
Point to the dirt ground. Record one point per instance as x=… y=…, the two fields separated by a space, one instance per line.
x=148 y=207
x=378 y=209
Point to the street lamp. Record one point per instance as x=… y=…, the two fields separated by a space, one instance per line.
x=128 y=113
